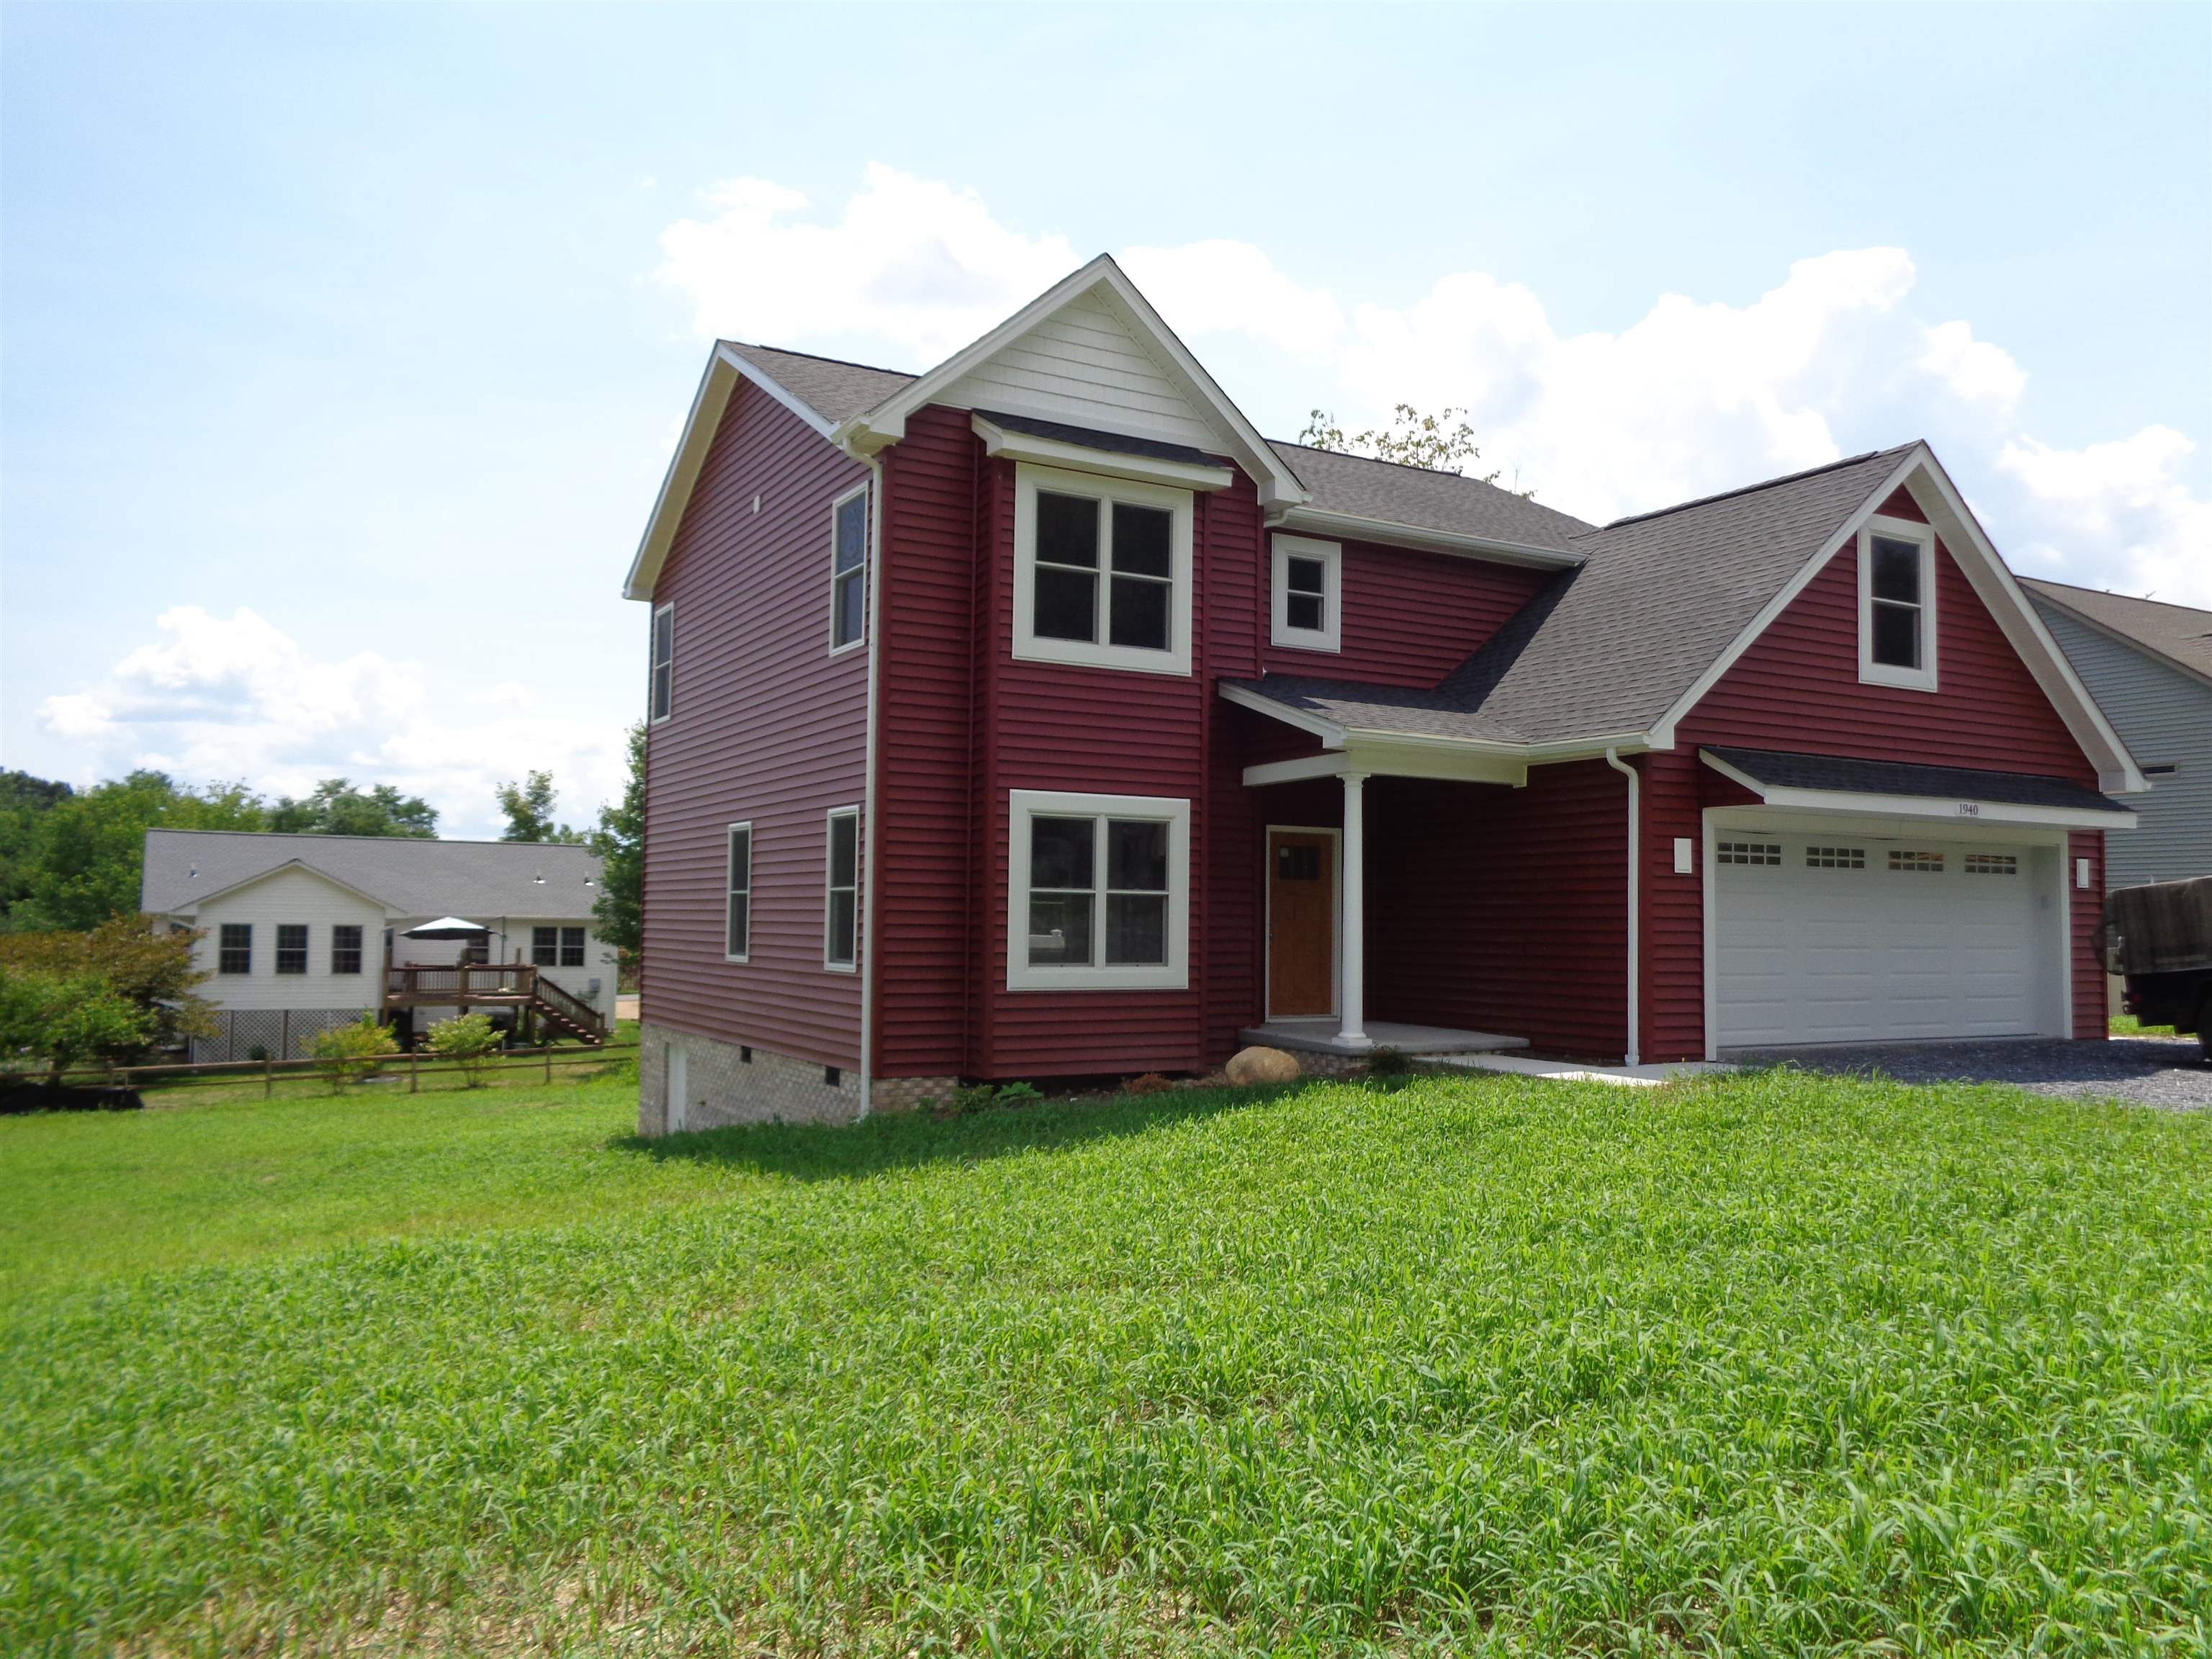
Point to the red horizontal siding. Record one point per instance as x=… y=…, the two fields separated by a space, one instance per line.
x=1501 y=909
x=1409 y=619
x=766 y=727
x=2092 y=1014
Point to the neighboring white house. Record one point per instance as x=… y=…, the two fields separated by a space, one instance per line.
x=302 y=932
x=2149 y=666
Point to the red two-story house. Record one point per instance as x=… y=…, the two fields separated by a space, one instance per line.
x=1035 y=717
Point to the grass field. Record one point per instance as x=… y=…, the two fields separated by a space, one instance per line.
x=1772 y=1364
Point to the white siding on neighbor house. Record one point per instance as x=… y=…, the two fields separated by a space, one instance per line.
x=1081 y=365
x=291 y=896
x=2165 y=718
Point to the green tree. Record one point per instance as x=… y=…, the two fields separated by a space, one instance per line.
x=24 y=803
x=335 y=808
x=149 y=967
x=61 y=1020
x=619 y=841
x=87 y=851
x=1441 y=443
x=529 y=809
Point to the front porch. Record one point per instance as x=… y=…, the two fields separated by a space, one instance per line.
x=1326 y=1036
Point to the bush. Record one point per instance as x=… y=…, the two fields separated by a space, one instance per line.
x=981 y=1096
x=59 y=1020
x=346 y=1054
x=471 y=1040
x=147 y=966
x=1387 y=1061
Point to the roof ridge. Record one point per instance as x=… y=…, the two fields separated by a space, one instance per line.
x=817 y=358
x=1764 y=483
x=323 y=835
x=1403 y=466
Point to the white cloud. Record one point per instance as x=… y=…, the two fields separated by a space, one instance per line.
x=1693 y=396
x=915 y=263
x=2122 y=512
x=238 y=698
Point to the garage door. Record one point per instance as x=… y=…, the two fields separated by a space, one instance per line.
x=1843 y=938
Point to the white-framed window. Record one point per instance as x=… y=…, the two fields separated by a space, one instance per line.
x=345 y=947
x=849 y=569
x=291 y=947
x=662 y=698
x=1309 y=590
x=235 y=953
x=557 y=947
x=841 y=920
x=738 y=923
x=1101 y=571
x=1897 y=605
x=1098 y=892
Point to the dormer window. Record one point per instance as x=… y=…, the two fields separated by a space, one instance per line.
x=1101 y=571
x=1308 y=591
x=1897 y=605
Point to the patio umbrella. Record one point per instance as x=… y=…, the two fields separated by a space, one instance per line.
x=447 y=927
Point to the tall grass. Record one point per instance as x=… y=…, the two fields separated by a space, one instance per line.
x=1776 y=1364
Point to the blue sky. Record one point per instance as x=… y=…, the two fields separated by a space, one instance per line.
x=343 y=347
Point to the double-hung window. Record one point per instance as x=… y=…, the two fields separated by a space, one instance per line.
x=291 y=947
x=738 y=925
x=841 y=926
x=1099 y=894
x=1308 y=589
x=663 y=662
x=1897 y=605
x=345 y=948
x=235 y=954
x=557 y=947
x=1101 y=571
x=848 y=570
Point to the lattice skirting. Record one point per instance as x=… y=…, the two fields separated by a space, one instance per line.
x=277 y=1033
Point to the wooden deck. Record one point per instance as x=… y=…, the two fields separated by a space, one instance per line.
x=514 y=985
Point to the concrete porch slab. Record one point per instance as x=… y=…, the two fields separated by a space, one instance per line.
x=1568 y=1071
x=1318 y=1037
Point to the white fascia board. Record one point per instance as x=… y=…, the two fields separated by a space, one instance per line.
x=1078 y=458
x=1390 y=760
x=2016 y=613
x=1845 y=535
x=1347 y=526
x=1331 y=734
x=725 y=368
x=1966 y=812
x=873 y=429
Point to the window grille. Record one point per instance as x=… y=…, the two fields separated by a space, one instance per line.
x=1928 y=863
x=291 y=947
x=1835 y=858
x=1750 y=852
x=1992 y=864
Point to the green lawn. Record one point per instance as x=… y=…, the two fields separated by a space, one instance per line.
x=1773 y=1365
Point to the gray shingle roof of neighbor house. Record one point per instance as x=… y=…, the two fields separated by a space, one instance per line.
x=414 y=876
x=1607 y=649
x=1779 y=769
x=2179 y=633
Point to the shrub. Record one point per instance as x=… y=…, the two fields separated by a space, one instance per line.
x=469 y=1041
x=346 y=1054
x=1018 y=1094
x=147 y=966
x=1387 y=1061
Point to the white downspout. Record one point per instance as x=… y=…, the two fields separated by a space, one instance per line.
x=1635 y=800
x=868 y=841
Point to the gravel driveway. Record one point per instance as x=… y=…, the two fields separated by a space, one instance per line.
x=2151 y=1071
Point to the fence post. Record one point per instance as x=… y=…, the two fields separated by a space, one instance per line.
x=548 y=1062
x=268 y=1076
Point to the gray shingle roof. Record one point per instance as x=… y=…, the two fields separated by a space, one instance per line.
x=832 y=388
x=416 y=877
x=1780 y=769
x=1607 y=649
x=1364 y=487
x=2178 y=632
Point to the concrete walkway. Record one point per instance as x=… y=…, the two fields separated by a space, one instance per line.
x=1568 y=1071
x=1318 y=1037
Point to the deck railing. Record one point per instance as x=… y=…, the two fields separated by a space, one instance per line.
x=505 y=982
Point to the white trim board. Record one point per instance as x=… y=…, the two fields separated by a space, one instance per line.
x=1968 y=812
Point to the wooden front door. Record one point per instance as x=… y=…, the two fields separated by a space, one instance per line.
x=1301 y=924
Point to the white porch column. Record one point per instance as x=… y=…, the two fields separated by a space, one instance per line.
x=1352 y=984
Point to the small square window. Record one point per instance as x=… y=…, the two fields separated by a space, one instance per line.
x=1308 y=595
x=1835 y=858
x=1992 y=864
x=1922 y=862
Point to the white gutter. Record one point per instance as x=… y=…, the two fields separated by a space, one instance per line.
x=1635 y=798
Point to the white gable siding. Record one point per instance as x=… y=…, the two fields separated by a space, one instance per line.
x=1083 y=366
x=2165 y=718
x=291 y=896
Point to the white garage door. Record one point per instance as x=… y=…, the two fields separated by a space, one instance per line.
x=1841 y=939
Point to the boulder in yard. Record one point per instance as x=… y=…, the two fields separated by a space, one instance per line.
x=1257 y=1065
